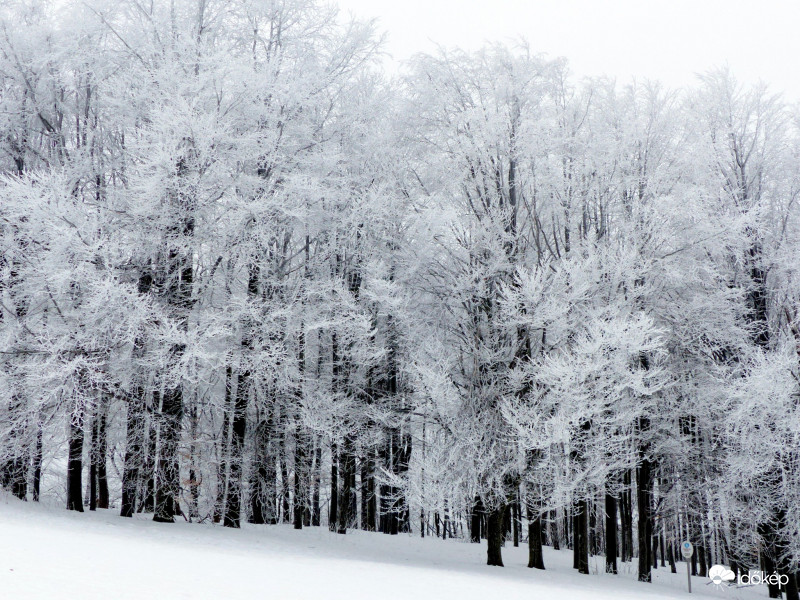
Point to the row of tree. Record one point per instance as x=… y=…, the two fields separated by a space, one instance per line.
x=245 y=276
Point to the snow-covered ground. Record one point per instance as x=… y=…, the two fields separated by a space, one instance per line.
x=49 y=553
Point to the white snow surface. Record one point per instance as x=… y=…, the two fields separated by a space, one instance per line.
x=49 y=553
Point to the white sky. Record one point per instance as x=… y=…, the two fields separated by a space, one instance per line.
x=668 y=40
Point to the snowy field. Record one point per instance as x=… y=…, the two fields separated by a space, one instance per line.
x=48 y=553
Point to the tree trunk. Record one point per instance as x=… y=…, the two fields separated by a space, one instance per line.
x=784 y=562
x=262 y=486
x=93 y=460
x=98 y=481
x=135 y=422
x=627 y=517
x=643 y=495
x=701 y=556
x=554 y=536
x=476 y=520
x=148 y=500
x=671 y=558
x=494 y=537
x=167 y=489
x=37 y=463
x=791 y=586
x=535 y=554
x=315 y=507
x=773 y=589
x=75 y=460
x=654 y=551
x=611 y=534
x=300 y=503
x=224 y=446
x=347 y=461
x=368 y=500
x=581 y=521
x=299 y=477
x=233 y=497
x=133 y=452
x=102 y=451
x=15 y=471
x=333 y=512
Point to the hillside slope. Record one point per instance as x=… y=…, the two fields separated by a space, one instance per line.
x=48 y=553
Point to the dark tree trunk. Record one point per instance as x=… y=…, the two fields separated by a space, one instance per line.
x=701 y=556
x=611 y=534
x=644 y=484
x=347 y=497
x=581 y=535
x=773 y=589
x=535 y=554
x=148 y=500
x=574 y=534
x=626 y=513
x=14 y=473
x=75 y=460
x=15 y=470
x=315 y=507
x=554 y=530
x=167 y=490
x=233 y=497
x=299 y=503
x=368 y=499
x=783 y=561
x=195 y=479
x=494 y=537
x=333 y=512
x=286 y=509
x=37 y=463
x=133 y=452
x=98 y=481
x=792 y=592
x=135 y=423
x=403 y=457
x=671 y=558
x=476 y=521
x=262 y=486
x=310 y=478
x=224 y=447
x=93 y=460
x=654 y=551
x=390 y=513
x=352 y=520
x=102 y=451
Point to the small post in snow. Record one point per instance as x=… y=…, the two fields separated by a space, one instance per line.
x=687 y=550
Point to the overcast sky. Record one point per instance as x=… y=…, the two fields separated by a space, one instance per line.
x=669 y=40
